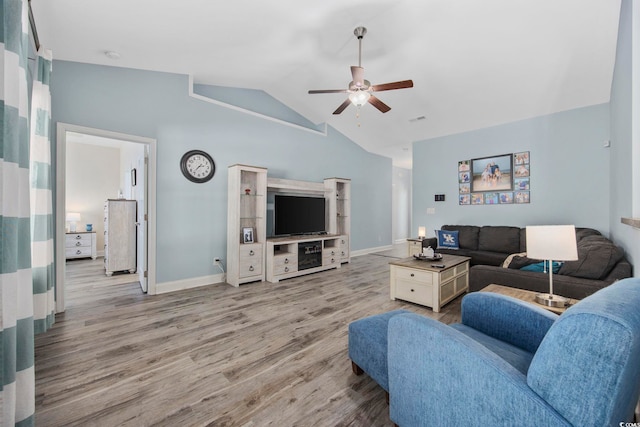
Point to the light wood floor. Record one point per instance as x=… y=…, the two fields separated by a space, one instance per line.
x=259 y=355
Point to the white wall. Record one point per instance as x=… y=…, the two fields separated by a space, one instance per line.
x=93 y=175
x=624 y=198
x=401 y=201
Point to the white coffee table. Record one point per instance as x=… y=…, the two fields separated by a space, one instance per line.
x=418 y=282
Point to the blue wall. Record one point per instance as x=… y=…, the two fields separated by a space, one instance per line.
x=569 y=172
x=621 y=139
x=191 y=218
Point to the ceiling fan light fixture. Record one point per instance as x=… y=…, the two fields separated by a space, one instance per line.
x=359 y=97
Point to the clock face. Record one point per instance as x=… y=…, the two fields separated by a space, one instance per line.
x=197 y=166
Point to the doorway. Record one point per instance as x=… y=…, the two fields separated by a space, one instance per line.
x=138 y=183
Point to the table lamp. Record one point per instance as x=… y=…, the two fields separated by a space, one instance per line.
x=422 y=232
x=552 y=242
x=72 y=218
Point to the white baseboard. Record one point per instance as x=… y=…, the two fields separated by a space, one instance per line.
x=194 y=282
x=368 y=251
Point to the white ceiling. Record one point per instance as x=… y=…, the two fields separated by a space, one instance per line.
x=473 y=63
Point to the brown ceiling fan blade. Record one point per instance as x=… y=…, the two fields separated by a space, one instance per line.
x=392 y=86
x=342 y=106
x=358 y=75
x=328 y=91
x=379 y=104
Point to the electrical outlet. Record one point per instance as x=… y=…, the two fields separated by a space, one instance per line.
x=216 y=260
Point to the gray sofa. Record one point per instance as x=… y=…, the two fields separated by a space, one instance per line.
x=600 y=262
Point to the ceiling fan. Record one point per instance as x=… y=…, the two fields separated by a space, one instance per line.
x=360 y=90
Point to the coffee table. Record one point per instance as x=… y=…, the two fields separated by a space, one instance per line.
x=523 y=295
x=417 y=281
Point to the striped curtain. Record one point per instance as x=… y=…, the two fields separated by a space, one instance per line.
x=42 y=196
x=17 y=397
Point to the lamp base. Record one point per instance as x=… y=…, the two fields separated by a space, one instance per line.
x=551 y=300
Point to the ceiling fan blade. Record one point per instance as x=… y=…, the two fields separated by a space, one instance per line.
x=328 y=91
x=391 y=86
x=358 y=75
x=378 y=104
x=342 y=106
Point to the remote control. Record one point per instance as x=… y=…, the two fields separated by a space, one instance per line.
x=437 y=265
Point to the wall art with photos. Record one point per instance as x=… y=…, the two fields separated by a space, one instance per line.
x=495 y=180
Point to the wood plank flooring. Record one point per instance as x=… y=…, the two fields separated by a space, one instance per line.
x=259 y=355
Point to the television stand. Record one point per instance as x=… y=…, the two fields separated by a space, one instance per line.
x=295 y=256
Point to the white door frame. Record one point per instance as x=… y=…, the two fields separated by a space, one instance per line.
x=61 y=150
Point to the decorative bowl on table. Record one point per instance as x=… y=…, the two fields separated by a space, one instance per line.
x=435 y=257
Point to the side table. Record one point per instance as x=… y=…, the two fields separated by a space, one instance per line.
x=528 y=296
x=415 y=246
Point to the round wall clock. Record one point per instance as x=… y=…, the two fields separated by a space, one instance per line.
x=197 y=166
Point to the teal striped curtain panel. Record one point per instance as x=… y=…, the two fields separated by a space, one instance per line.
x=16 y=290
x=42 y=248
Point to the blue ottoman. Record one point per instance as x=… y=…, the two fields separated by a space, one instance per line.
x=368 y=346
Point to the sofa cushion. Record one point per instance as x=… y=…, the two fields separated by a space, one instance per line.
x=523 y=239
x=467 y=235
x=486 y=257
x=581 y=233
x=499 y=239
x=515 y=356
x=447 y=239
x=597 y=256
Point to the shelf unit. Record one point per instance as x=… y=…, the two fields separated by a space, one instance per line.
x=283 y=257
x=246 y=210
x=338 y=215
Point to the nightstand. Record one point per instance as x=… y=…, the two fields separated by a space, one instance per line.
x=81 y=244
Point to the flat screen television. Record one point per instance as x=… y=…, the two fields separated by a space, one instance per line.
x=298 y=215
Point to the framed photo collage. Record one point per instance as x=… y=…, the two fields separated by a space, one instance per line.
x=495 y=180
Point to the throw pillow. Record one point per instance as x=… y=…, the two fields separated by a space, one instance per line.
x=447 y=239
x=507 y=261
x=597 y=256
x=522 y=261
x=540 y=267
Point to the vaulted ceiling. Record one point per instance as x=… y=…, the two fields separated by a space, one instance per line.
x=474 y=63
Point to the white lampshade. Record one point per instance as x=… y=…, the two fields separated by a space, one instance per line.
x=422 y=231
x=552 y=242
x=359 y=97
x=73 y=217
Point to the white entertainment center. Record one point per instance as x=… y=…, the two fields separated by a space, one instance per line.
x=277 y=258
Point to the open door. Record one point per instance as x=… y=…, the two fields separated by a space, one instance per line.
x=144 y=192
x=142 y=176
